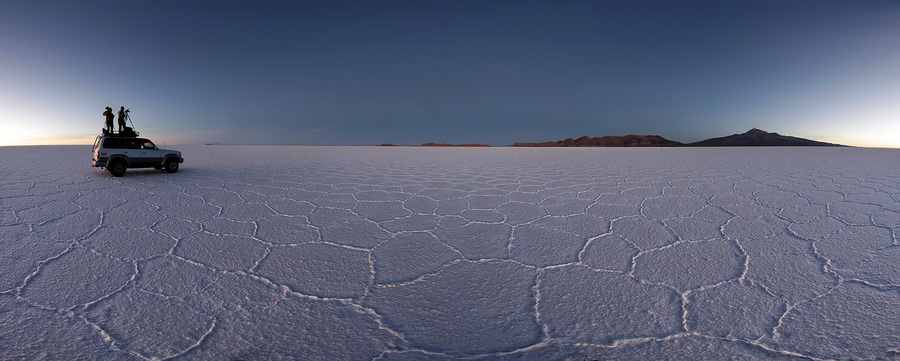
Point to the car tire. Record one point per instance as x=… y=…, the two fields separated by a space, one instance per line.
x=171 y=165
x=116 y=168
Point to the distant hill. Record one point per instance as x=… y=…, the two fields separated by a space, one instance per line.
x=608 y=141
x=760 y=138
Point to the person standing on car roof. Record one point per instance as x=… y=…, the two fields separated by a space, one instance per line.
x=121 y=118
x=109 y=119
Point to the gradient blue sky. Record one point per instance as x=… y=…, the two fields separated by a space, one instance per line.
x=409 y=72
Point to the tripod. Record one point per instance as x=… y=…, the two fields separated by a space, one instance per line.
x=128 y=117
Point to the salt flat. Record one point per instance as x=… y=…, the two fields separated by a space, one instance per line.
x=359 y=253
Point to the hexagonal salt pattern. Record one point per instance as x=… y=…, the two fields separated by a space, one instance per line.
x=397 y=253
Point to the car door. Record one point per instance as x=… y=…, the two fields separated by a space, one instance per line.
x=131 y=148
x=149 y=154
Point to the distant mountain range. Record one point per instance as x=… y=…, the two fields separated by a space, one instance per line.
x=752 y=138
x=608 y=141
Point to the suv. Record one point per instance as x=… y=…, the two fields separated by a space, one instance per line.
x=117 y=153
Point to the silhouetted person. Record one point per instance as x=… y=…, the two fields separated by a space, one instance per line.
x=109 y=119
x=121 y=118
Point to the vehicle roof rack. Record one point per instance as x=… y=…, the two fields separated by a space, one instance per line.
x=127 y=132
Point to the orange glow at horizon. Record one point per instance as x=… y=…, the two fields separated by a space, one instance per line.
x=31 y=135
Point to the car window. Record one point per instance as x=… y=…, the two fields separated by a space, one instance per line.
x=113 y=143
x=120 y=143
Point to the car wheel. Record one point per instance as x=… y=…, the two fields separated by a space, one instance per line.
x=171 y=165
x=117 y=168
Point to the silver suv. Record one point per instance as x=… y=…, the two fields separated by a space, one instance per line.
x=118 y=153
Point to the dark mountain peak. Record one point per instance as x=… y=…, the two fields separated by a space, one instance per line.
x=758 y=131
x=757 y=137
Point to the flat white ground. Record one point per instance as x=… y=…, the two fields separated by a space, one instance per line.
x=358 y=253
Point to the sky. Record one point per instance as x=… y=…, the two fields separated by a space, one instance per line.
x=462 y=71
